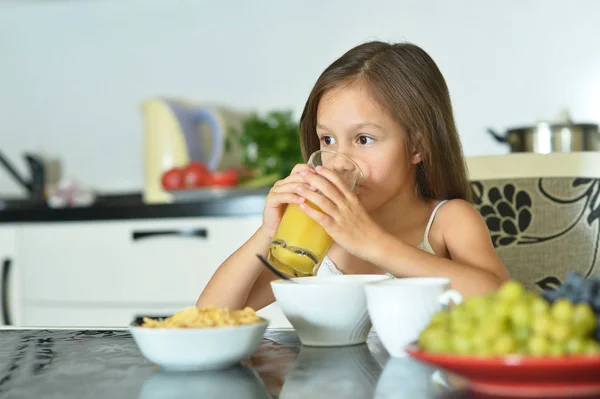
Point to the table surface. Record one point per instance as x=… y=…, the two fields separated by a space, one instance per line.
x=60 y=363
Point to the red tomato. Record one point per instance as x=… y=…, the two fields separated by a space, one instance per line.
x=172 y=179
x=196 y=174
x=225 y=178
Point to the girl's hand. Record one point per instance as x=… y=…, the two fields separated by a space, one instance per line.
x=342 y=216
x=283 y=192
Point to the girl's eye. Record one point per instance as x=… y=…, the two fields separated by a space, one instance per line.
x=328 y=140
x=363 y=140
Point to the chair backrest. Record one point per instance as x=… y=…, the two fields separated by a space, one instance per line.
x=543 y=212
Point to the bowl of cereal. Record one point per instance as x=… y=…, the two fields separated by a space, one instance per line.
x=199 y=339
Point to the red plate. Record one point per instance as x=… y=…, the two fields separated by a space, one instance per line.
x=521 y=376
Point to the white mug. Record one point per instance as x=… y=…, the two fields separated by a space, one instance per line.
x=401 y=308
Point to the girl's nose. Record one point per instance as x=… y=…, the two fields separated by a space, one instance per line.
x=347 y=167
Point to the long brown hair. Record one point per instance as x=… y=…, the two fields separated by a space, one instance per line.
x=408 y=83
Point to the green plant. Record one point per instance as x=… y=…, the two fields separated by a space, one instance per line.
x=270 y=144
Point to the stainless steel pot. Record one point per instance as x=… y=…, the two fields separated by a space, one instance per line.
x=545 y=138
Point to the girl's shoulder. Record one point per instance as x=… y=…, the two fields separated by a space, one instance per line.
x=458 y=215
x=457 y=211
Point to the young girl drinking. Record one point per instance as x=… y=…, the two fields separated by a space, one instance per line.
x=387 y=107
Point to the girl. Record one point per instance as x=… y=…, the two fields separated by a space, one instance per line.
x=387 y=107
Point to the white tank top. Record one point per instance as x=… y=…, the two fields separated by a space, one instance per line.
x=328 y=268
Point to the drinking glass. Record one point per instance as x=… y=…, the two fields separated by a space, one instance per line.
x=300 y=243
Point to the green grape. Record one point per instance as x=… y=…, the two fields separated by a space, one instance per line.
x=492 y=327
x=477 y=306
x=459 y=318
x=556 y=350
x=584 y=319
x=472 y=303
x=542 y=324
x=520 y=315
x=574 y=346
x=511 y=291
x=521 y=334
x=505 y=344
x=430 y=335
x=461 y=344
x=464 y=328
x=491 y=297
x=442 y=343
x=529 y=297
x=479 y=341
x=523 y=350
x=560 y=332
x=562 y=310
x=538 y=345
x=539 y=306
x=591 y=347
x=484 y=351
x=501 y=310
x=441 y=318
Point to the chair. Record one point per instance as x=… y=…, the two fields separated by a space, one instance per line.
x=542 y=211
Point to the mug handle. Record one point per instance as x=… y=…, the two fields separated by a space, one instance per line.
x=450 y=295
x=216 y=153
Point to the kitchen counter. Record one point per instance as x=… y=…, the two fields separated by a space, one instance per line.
x=132 y=207
x=106 y=363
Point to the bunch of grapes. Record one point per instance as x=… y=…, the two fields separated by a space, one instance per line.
x=576 y=289
x=513 y=321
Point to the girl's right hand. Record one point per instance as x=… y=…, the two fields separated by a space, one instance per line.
x=283 y=193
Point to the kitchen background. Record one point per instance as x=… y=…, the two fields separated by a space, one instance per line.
x=73 y=73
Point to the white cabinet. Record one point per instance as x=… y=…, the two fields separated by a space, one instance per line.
x=106 y=273
x=10 y=309
x=126 y=262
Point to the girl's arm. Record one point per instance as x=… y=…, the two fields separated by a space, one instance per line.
x=473 y=267
x=241 y=280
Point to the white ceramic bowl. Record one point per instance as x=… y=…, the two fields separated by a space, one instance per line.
x=187 y=349
x=327 y=311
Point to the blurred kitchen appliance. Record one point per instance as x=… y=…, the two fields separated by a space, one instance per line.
x=43 y=172
x=177 y=132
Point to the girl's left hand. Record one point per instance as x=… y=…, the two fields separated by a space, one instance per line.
x=342 y=216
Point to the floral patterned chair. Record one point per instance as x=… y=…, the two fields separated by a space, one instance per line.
x=543 y=212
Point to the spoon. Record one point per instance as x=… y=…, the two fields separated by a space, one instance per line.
x=274 y=269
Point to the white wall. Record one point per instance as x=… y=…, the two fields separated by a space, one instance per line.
x=72 y=73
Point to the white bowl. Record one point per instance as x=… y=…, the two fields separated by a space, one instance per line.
x=327 y=311
x=187 y=349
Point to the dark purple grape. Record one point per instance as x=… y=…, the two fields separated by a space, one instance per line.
x=596 y=304
x=573 y=296
x=587 y=292
x=574 y=278
x=595 y=277
x=552 y=295
x=594 y=287
x=572 y=286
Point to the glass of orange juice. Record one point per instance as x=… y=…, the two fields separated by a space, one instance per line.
x=300 y=243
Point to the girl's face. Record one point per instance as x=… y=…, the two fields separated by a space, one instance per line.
x=350 y=121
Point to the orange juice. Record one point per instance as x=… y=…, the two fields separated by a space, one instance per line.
x=299 y=244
